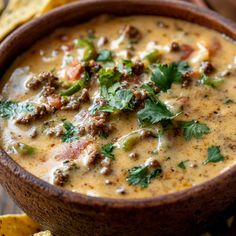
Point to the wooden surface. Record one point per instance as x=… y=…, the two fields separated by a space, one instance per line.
x=7 y=206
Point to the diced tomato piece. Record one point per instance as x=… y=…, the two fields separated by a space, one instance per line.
x=74 y=71
x=54 y=100
x=183 y=100
x=214 y=47
x=187 y=50
x=194 y=74
x=73 y=151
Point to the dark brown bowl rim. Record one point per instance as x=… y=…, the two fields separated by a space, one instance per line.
x=72 y=197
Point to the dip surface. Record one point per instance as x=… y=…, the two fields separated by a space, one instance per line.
x=123 y=107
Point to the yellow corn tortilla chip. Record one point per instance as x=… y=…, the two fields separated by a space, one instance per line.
x=1 y=5
x=53 y=4
x=44 y=233
x=21 y=11
x=17 y=13
x=17 y=225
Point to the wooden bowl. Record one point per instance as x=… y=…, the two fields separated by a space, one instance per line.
x=66 y=213
x=226 y=7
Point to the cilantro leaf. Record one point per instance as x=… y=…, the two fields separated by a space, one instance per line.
x=107 y=77
x=228 y=101
x=149 y=89
x=154 y=112
x=141 y=175
x=182 y=164
x=107 y=108
x=163 y=75
x=212 y=82
x=11 y=109
x=183 y=67
x=150 y=92
x=194 y=129
x=122 y=99
x=103 y=134
x=71 y=133
x=107 y=150
x=117 y=100
x=125 y=67
x=104 y=55
x=112 y=90
x=214 y=155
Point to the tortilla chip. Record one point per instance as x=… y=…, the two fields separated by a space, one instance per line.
x=21 y=11
x=17 y=225
x=1 y=5
x=44 y=233
x=53 y=4
x=17 y=13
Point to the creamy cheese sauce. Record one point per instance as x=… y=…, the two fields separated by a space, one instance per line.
x=181 y=161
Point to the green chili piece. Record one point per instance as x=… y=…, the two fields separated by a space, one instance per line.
x=152 y=56
x=212 y=82
x=89 y=48
x=24 y=149
x=74 y=88
x=128 y=141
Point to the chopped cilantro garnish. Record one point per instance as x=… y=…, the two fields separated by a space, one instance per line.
x=182 y=164
x=125 y=67
x=117 y=99
x=93 y=109
x=149 y=89
x=194 y=129
x=142 y=175
x=104 y=55
x=212 y=82
x=154 y=112
x=163 y=75
x=71 y=133
x=183 y=67
x=122 y=99
x=107 y=77
x=11 y=109
x=214 y=155
x=150 y=92
x=228 y=101
x=103 y=134
x=107 y=150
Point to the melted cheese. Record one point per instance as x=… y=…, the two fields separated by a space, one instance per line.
x=204 y=104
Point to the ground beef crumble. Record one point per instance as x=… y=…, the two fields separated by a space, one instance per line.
x=74 y=102
x=39 y=111
x=132 y=33
x=138 y=68
x=44 y=78
x=61 y=175
x=207 y=67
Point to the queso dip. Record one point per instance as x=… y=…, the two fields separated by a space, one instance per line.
x=123 y=107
